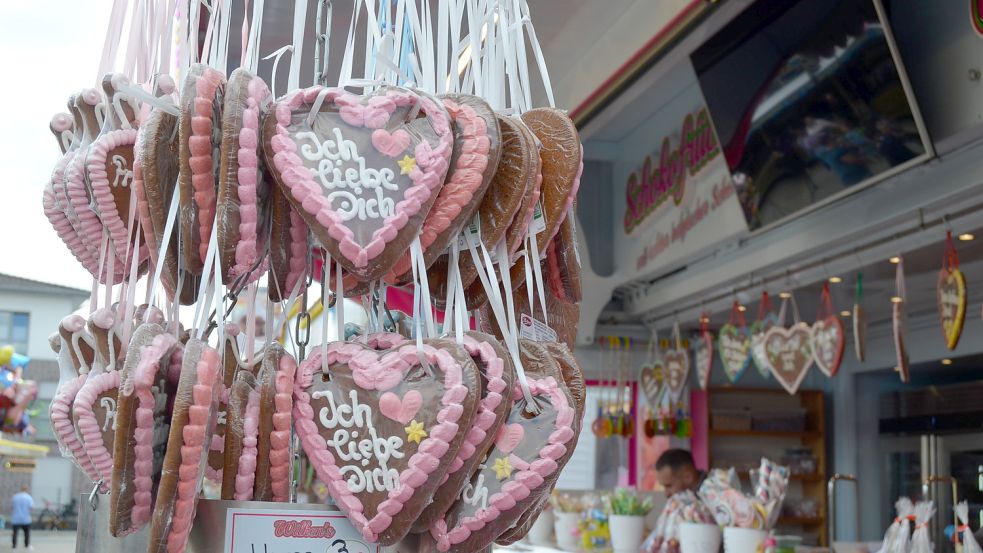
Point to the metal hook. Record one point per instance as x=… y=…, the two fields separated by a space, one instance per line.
x=94 y=494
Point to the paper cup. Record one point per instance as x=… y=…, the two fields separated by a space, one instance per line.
x=743 y=540
x=541 y=532
x=699 y=538
x=626 y=533
x=566 y=523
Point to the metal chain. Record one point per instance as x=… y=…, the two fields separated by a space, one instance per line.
x=302 y=330
x=325 y=10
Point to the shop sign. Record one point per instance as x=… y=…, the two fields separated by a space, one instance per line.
x=276 y=530
x=681 y=198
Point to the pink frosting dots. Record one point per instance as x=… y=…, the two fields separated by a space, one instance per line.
x=282 y=425
x=246 y=473
x=102 y=187
x=54 y=202
x=90 y=431
x=60 y=413
x=247 y=249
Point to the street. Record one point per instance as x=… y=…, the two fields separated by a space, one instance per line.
x=44 y=541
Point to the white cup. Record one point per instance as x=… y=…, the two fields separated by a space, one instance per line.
x=541 y=532
x=699 y=538
x=626 y=532
x=743 y=540
x=566 y=523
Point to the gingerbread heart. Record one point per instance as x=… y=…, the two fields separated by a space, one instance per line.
x=676 y=363
x=265 y=381
x=950 y=293
x=288 y=246
x=563 y=262
x=703 y=353
x=497 y=375
x=734 y=343
x=142 y=426
x=789 y=353
x=562 y=316
x=899 y=329
x=757 y=331
x=243 y=184
x=231 y=363
x=495 y=214
x=202 y=101
x=281 y=447
x=192 y=426
x=381 y=472
x=334 y=155
x=859 y=331
x=477 y=148
x=828 y=344
x=516 y=233
x=76 y=353
x=510 y=480
x=651 y=378
x=242 y=437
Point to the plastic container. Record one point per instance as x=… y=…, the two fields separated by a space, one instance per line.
x=566 y=525
x=743 y=540
x=699 y=538
x=626 y=533
x=541 y=532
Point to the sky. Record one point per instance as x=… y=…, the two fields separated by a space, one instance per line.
x=54 y=46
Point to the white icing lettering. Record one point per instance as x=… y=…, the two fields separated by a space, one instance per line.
x=476 y=495
x=109 y=404
x=124 y=176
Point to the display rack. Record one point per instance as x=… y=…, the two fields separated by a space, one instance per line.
x=747 y=423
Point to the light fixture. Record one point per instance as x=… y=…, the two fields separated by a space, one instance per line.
x=844 y=313
x=895 y=259
x=896 y=299
x=947 y=361
x=966 y=237
x=835 y=280
x=742 y=308
x=785 y=295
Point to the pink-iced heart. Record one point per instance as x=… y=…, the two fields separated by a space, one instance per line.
x=509 y=436
x=391 y=144
x=401 y=410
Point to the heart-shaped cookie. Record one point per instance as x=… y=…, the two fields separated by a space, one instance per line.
x=676 y=363
x=496 y=212
x=192 y=427
x=789 y=353
x=507 y=483
x=757 y=331
x=288 y=246
x=496 y=375
x=828 y=344
x=734 y=344
x=477 y=148
x=899 y=327
x=380 y=472
x=231 y=363
x=563 y=261
x=703 y=354
x=562 y=165
x=950 y=293
x=155 y=175
x=200 y=128
x=332 y=154
x=75 y=351
x=651 y=378
x=284 y=368
x=142 y=427
x=242 y=437
x=859 y=331
x=562 y=316
x=243 y=184
x=516 y=233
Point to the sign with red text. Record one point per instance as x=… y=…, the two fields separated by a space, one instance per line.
x=677 y=199
x=292 y=531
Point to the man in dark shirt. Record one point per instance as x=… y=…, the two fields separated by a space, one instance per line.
x=677 y=472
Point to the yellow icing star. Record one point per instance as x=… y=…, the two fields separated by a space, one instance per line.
x=415 y=432
x=407 y=164
x=502 y=467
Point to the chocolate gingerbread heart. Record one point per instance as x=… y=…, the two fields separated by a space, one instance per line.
x=757 y=331
x=562 y=317
x=243 y=185
x=734 y=343
x=828 y=344
x=676 y=371
x=192 y=425
x=394 y=421
x=703 y=355
x=74 y=351
x=899 y=327
x=563 y=262
x=231 y=364
x=477 y=148
x=200 y=128
x=284 y=368
x=789 y=353
x=142 y=427
x=362 y=171
x=242 y=436
x=497 y=376
x=950 y=293
x=288 y=246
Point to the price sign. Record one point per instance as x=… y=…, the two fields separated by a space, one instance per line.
x=292 y=531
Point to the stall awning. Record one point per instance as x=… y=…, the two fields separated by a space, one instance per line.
x=21 y=449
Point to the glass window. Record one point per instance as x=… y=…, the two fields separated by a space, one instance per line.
x=14 y=330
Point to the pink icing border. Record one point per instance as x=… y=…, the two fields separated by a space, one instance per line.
x=247 y=249
x=55 y=212
x=90 y=227
x=427 y=177
x=553 y=271
x=246 y=471
x=298 y=250
x=102 y=191
x=574 y=187
x=60 y=413
x=89 y=431
x=366 y=366
x=462 y=181
x=523 y=481
x=200 y=150
x=143 y=433
x=191 y=470
x=280 y=460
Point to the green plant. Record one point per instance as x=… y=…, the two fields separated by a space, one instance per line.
x=625 y=501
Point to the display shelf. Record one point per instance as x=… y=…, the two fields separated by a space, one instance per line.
x=807 y=435
x=802 y=521
x=806 y=477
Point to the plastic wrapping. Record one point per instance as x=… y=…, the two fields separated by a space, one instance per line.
x=477 y=148
x=415 y=416
x=200 y=129
x=562 y=317
x=243 y=185
x=73 y=371
x=263 y=487
x=563 y=164
x=288 y=246
x=563 y=262
x=216 y=453
x=497 y=377
x=970 y=545
x=528 y=449
x=241 y=438
x=363 y=171
x=192 y=424
x=533 y=182
x=573 y=376
x=496 y=212
x=142 y=426
x=284 y=368
x=921 y=542
x=155 y=176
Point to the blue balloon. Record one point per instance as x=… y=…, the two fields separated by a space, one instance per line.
x=19 y=361
x=6 y=379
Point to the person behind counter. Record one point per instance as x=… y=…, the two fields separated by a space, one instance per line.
x=679 y=477
x=677 y=472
